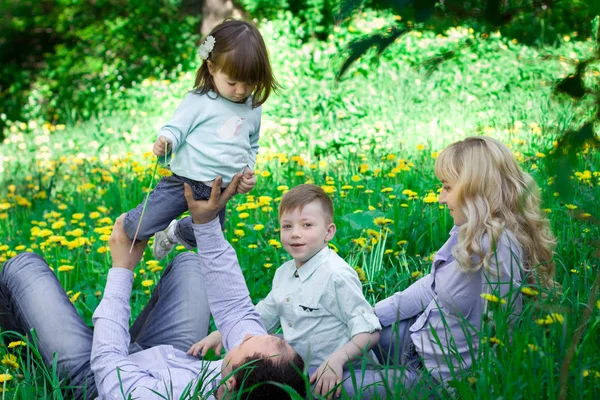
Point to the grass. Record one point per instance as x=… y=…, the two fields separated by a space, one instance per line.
x=370 y=140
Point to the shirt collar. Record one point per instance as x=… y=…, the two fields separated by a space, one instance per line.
x=445 y=252
x=305 y=271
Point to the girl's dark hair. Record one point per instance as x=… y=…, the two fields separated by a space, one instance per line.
x=241 y=54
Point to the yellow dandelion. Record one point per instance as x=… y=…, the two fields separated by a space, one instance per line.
x=147 y=282
x=75 y=232
x=551 y=319
x=75 y=297
x=492 y=299
x=267 y=265
x=5 y=378
x=259 y=227
x=239 y=232
x=244 y=215
x=65 y=268
x=416 y=274
x=265 y=174
x=571 y=206
x=532 y=347
x=10 y=360
x=430 y=198
x=529 y=291
x=420 y=147
x=78 y=216
x=328 y=189
x=12 y=345
x=361 y=274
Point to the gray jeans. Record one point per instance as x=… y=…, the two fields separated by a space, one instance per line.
x=31 y=297
x=166 y=203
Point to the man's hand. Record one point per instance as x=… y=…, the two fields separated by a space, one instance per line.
x=247 y=182
x=213 y=341
x=327 y=377
x=120 y=244
x=204 y=211
x=161 y=146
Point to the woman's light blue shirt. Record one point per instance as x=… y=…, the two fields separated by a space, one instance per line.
x=450 y=304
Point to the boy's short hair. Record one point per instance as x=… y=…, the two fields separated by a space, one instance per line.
x=300 y=196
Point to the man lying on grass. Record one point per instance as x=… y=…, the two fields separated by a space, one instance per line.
x=149 y=360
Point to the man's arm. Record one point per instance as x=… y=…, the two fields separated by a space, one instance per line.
x=228 y=296
x=111 y=327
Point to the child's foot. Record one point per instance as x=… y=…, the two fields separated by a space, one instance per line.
x=164 y=241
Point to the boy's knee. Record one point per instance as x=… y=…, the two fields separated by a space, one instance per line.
x=21 y=266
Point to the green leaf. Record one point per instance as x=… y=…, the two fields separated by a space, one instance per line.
x=362 y=220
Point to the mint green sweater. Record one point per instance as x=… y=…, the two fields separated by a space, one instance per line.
x=212 y=137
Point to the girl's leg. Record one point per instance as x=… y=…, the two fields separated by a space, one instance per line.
x=32 y=298
x=165 y=203
x=177 y=313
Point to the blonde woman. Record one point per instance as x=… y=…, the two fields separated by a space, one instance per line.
x=500 y=241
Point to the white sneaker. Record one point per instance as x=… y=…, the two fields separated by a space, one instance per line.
x=164 y=241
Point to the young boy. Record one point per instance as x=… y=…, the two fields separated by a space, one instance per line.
x=316 y=297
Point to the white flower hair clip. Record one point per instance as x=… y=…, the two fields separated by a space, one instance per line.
x=206 y=47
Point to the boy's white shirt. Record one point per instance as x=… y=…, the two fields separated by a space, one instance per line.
x=321 y=309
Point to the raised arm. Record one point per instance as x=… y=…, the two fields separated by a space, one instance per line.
x=111 y=327
x=228 y=296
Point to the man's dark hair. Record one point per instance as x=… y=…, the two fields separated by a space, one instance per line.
x=255 y=373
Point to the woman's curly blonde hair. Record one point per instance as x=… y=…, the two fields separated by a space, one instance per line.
x=494 y=194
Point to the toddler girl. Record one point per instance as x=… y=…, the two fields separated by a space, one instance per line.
x=214 y=132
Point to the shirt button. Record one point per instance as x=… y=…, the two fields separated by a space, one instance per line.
x=287 y=299
x=170 y=356
x=290 y=324
x=362 y=310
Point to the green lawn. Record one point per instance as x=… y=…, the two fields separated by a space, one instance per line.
x=371 y=141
